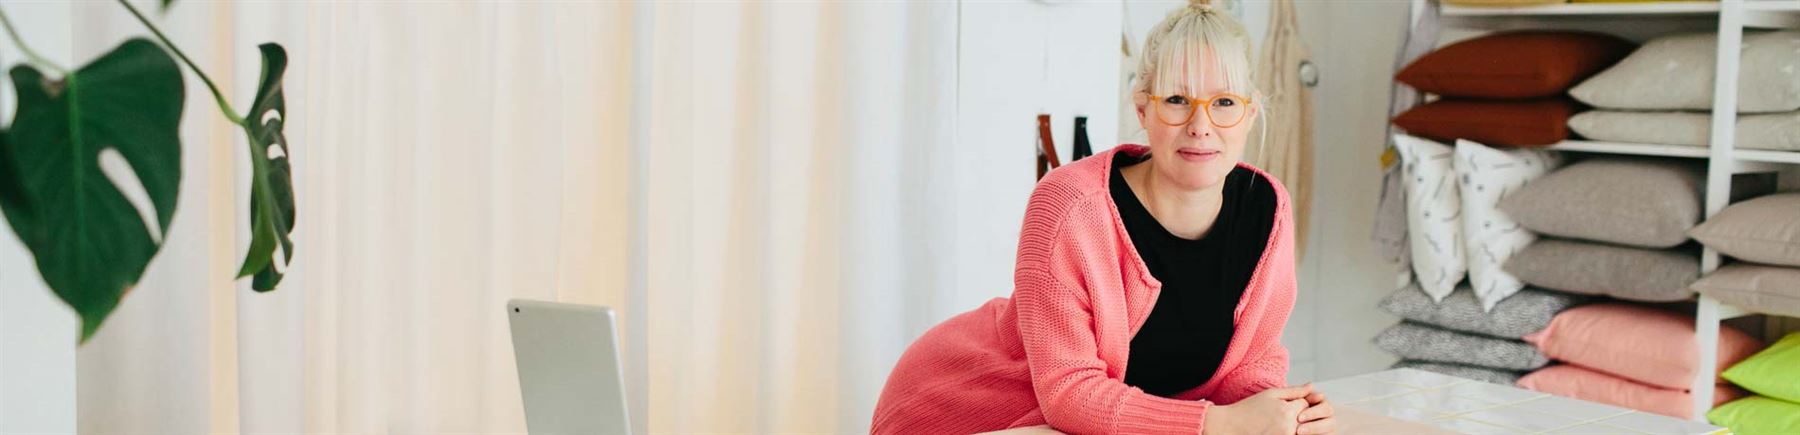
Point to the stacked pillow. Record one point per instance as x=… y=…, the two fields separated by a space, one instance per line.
x=1505 y=89
x=1681 y=69
x=1771 y=375
x=1469 y=328
x=1454 y=219
x=1632 y=356
x=1459 y=338
x=1763 y=234
x=1620 y=226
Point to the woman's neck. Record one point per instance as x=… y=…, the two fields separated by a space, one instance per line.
x=1186 y=213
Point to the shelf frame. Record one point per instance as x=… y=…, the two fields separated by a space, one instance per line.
x=1722 y=157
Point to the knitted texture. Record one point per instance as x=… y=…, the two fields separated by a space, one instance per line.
x=1055 y=353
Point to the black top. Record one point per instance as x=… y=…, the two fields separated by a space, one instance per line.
x=1182 y=343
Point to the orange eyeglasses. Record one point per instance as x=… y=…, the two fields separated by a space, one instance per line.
x=1223 y=110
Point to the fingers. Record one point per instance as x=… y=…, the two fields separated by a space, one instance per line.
x=1294 y=408
x=1290 y=393
x=1315 y=398
x=1315 y=412
x=1317 y=427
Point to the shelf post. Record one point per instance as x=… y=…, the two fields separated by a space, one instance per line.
x=1719 y=168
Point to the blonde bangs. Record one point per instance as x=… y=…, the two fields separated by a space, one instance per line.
x=1178 y=50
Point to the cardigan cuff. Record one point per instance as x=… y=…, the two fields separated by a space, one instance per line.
x=1150 y=414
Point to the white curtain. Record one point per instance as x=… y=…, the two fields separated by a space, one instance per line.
x=449 y=156
x=765 y=189
x=799 y=169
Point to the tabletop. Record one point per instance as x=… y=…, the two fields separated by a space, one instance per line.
x=1475 y=407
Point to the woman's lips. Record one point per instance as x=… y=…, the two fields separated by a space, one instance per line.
x=1196 y=154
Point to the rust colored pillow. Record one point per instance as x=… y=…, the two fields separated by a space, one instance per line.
x=1524 y=123
x=1514 y=65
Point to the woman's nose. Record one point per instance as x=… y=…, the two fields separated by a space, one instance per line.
x=1199 y=126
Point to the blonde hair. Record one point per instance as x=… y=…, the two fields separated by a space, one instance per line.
x=1189 y=35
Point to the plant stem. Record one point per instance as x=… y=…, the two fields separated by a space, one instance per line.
x=224 y=105
x=30 y=54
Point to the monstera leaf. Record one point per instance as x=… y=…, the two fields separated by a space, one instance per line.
x=90 y=243
x=272 y=185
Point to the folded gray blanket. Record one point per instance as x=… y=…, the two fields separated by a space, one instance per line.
x=1521 y=314
x=1421 y=342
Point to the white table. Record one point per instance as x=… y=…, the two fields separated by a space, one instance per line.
x=1479 y=408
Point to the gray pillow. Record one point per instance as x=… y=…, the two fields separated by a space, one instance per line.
x=1523 y=313
x=1420 y=342
x=1770 y=131
x=1676 y=73
x=1762 y=230
x=1617 y=271
x=1628 y=201
x=1494 y=376
x=1768 y=289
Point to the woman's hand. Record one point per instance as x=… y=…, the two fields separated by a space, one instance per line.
x=1274 y=411
x=1317 y=419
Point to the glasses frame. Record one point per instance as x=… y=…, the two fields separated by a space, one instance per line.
x=1156 y=102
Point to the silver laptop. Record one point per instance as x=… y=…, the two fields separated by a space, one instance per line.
x=570 y=372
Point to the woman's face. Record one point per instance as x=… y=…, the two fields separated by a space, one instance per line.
x=1195 y=155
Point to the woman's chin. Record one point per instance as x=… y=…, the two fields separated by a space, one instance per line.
x=1198 y=179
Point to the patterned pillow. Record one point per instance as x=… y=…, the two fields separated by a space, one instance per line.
x=1433 y=214
x=1491 y=237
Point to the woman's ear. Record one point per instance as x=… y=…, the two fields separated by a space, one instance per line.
x=1140 y=100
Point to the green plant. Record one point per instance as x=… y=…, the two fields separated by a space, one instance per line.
x=90 y=243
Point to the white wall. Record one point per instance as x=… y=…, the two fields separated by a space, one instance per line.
x=1017 y=59
x=37 y=332
x=1341 y=278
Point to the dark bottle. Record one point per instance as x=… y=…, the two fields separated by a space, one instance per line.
x=1082 y=148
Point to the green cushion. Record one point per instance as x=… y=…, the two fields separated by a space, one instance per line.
x=1757 y=415
x=1771 y=372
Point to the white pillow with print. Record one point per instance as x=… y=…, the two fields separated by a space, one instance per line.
x=1433 y=214
x=1487 y=175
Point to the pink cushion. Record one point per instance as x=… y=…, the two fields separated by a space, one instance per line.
x=1636 y=342
x=1580 y=383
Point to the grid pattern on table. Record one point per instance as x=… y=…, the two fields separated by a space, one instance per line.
x=1476 y=407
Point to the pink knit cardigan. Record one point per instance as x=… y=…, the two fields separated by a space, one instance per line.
x=1055 y=353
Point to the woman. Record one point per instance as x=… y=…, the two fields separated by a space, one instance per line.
x=1152 y=283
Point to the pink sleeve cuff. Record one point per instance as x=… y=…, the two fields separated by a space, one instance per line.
x=1142 y=413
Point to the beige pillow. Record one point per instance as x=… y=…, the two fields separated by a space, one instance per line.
x=1676 y=73
x=1767 y=289
x=1762 y=230
x=1628 y=201
x=1597 y=269
x=1769 y=131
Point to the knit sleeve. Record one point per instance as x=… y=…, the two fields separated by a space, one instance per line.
x=1070 y=380
x=1056 y=326
x=1254 y=376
